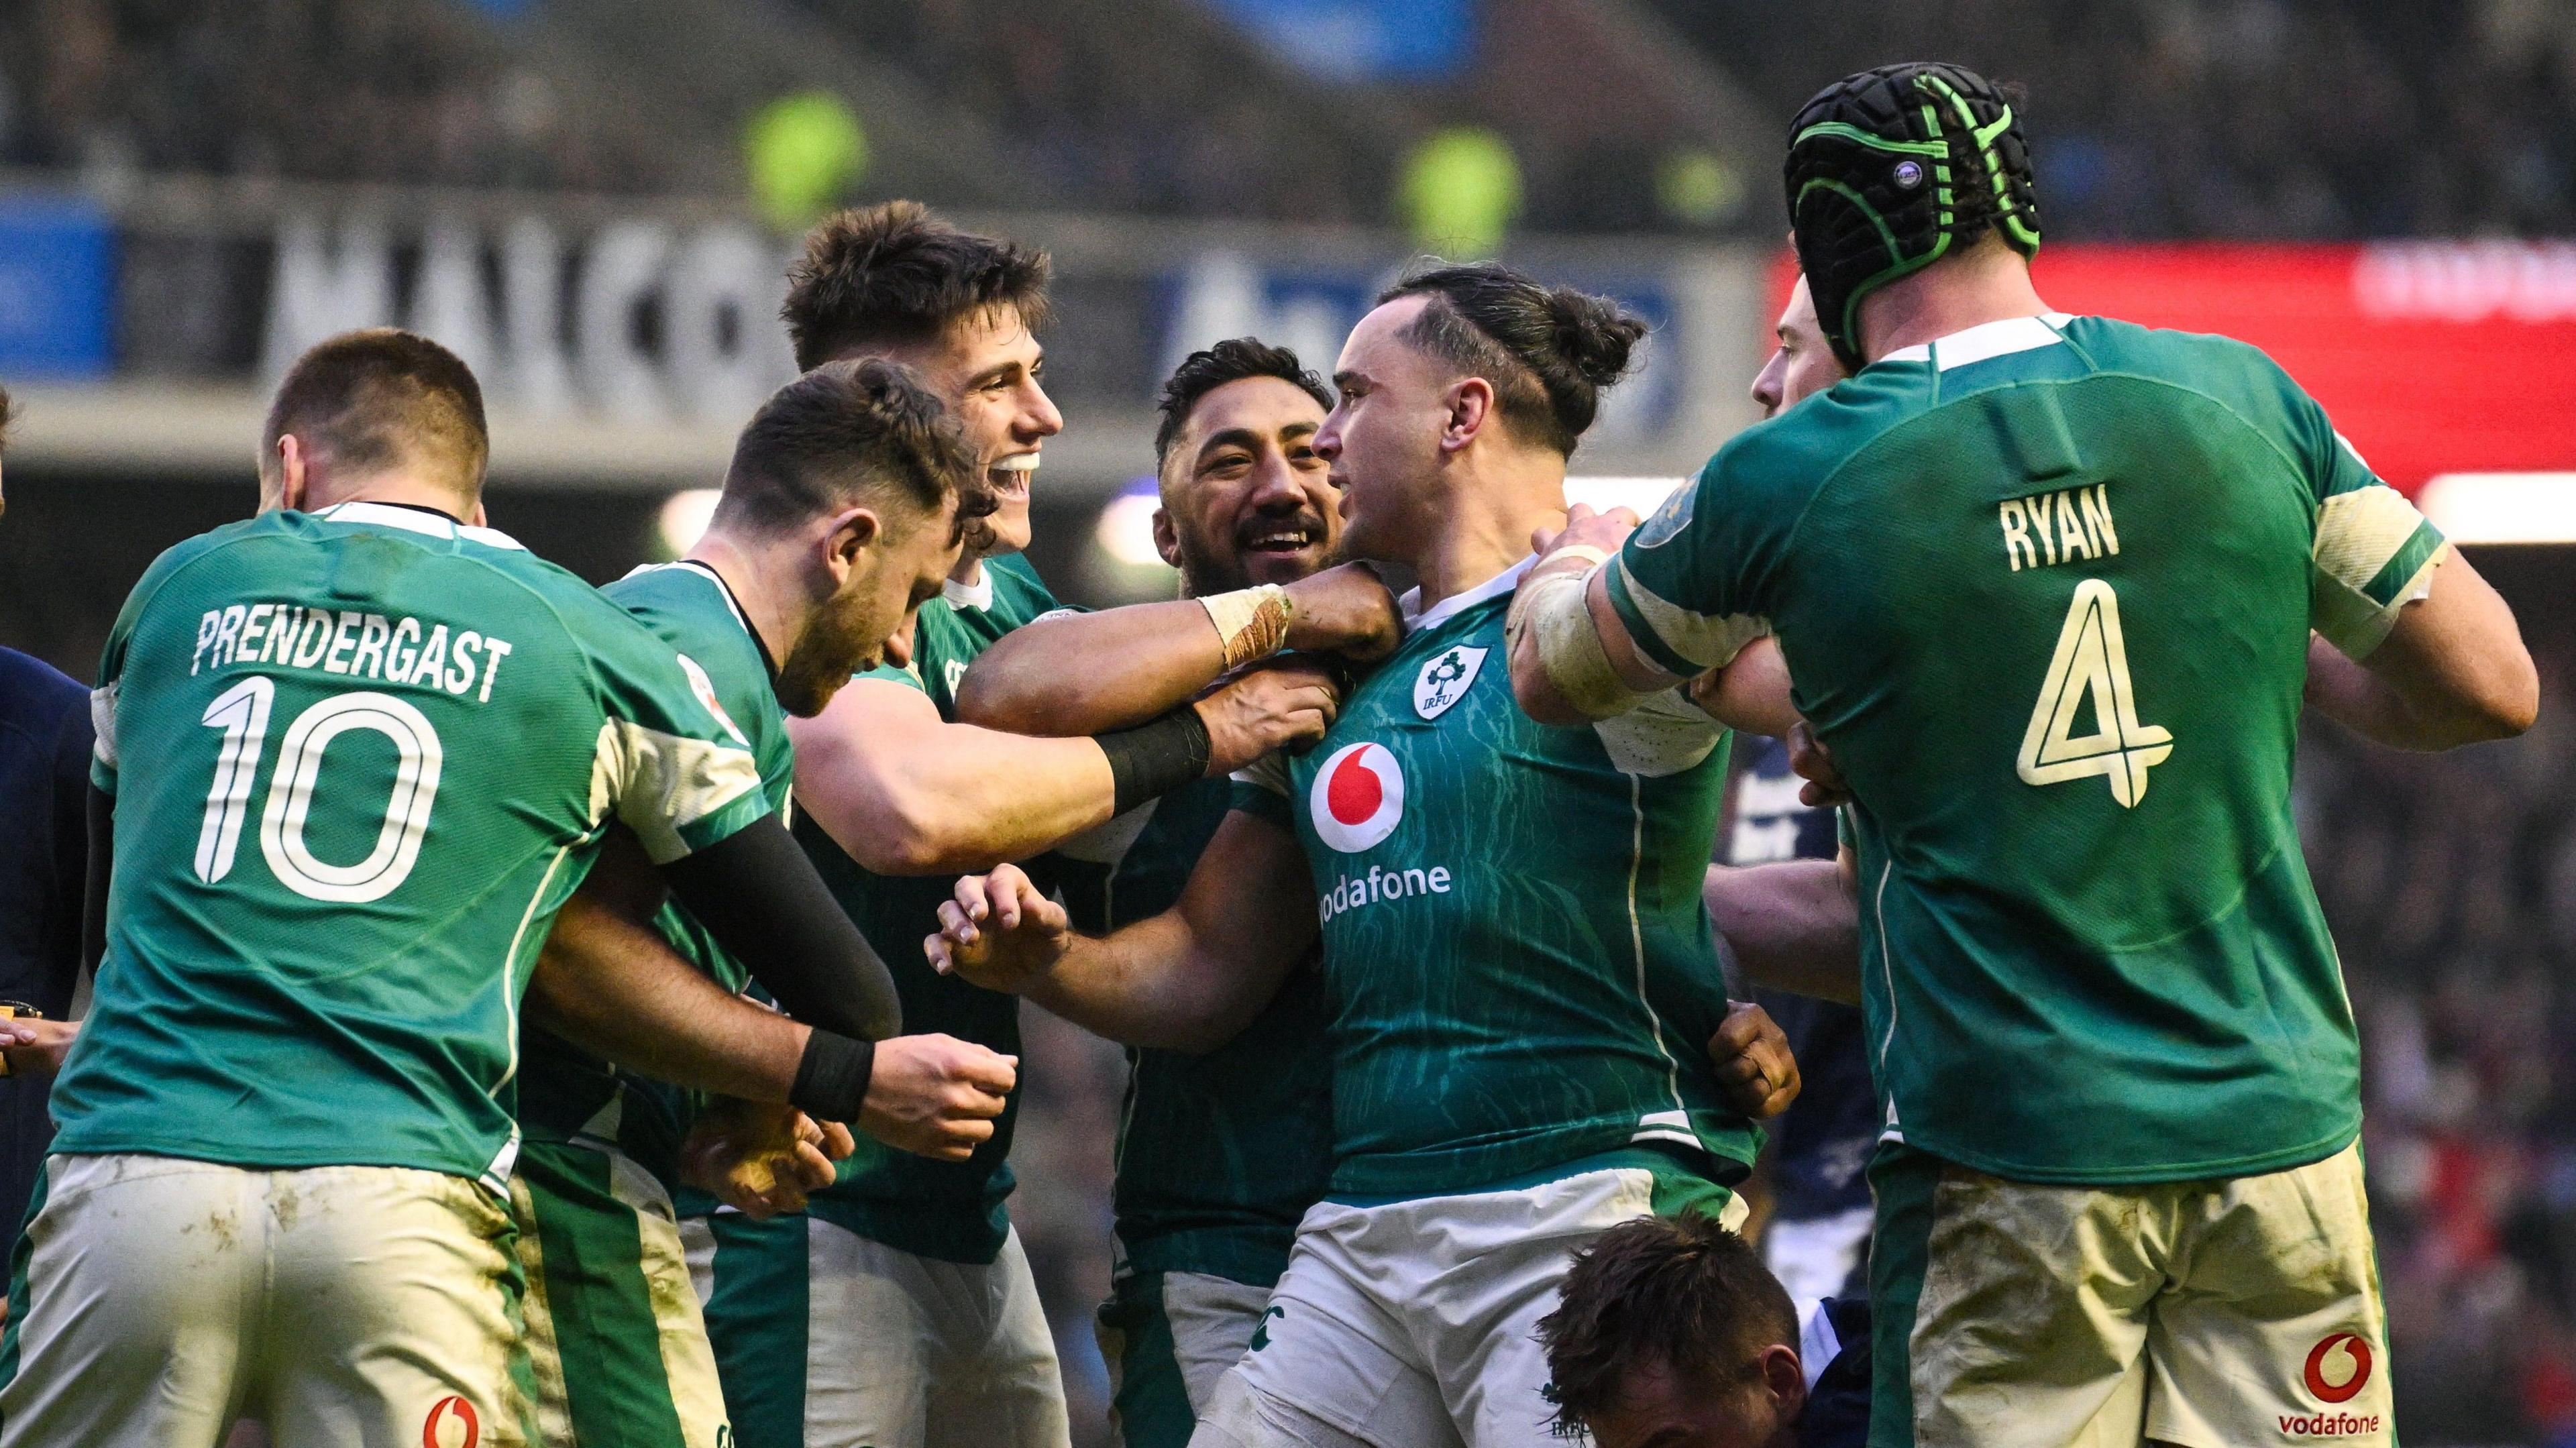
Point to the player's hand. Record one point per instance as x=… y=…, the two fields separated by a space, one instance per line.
x=999 y=932
x=1814 y=763
x=1605 y=531
x=1283 y=703
x=761 y=1159
x=1346 y=610
x=35 y=1046
x=936 y=1096
x=1754 y=1066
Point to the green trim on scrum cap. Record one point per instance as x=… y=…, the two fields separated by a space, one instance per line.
x=1849 y=132
x=2007 y=214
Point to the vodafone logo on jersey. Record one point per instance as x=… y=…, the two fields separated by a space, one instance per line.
x=1358 y=798
x=451 y=1424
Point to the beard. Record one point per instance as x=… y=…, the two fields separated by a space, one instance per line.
x=843 y=638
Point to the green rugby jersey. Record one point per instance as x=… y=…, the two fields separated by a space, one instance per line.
x=944 y=1209
x=562 y=1088
x=1513 y=934
x=1220 y=1153
x=2045 y=588
x=359 y=757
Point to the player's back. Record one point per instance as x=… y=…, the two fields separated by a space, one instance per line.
x=2046 y=588
x=360 y=757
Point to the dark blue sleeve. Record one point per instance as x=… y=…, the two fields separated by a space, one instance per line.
x=1837 y=1414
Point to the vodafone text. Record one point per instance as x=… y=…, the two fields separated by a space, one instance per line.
x=2328 y=1425
x=1351 y=892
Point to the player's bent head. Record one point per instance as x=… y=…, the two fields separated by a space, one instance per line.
x=854 y=481
x=367 y=404
x=1245 y=497
x=896 y=276
x=1547 y=352
x=1897 y=169
x=1670 y=1330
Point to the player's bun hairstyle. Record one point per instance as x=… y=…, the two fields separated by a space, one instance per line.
x=1892 y=169
x=1548 y=351
x=1231 y=360
x=846 y=434
x=1680 y=1292
x=382 y=397
x=894 y=274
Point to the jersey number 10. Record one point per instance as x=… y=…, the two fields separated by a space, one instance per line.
x=242 y=713
x=2092 y=665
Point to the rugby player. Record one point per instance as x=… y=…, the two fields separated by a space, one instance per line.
x=899 y=1310
x=1219 y=1152
x=844 y=508
x=2119 y=1191
x=1672 y=1334
x=279 y=1188
x=1521 y=1005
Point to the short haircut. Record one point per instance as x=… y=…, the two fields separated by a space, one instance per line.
x=1682 y=1292
x=381 y=397
x=1547 y=351
x=844 y=435
x=1231 y=360
x=895 y=274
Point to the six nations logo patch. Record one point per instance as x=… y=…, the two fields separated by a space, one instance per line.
x=1445 y=679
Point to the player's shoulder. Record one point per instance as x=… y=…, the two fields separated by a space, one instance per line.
x=684 y=604
x=1019 y=594
x=1796 y=453
x=2235 y=374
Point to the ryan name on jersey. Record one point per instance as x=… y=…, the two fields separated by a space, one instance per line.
x=354 y=645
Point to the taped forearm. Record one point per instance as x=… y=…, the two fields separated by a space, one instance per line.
x=759 y=896
x=1251 y=623
x=1550 y=621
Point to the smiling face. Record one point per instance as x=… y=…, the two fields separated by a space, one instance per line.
x=1802 y=364
x=1246 y=498
x=989 y=369
x=1382 y=438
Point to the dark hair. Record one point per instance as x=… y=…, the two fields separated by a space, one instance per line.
x=894 y=273
x=1231 y=360
x=1681 y=1291
x=1548 y=351
x=8 y=414
x=372 y=398
x=842 y=434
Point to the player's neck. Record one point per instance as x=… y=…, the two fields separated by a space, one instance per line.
x=969 y=572
x=1991 y=283
x=397 y=488
x=1487 y=526
x=768 y=592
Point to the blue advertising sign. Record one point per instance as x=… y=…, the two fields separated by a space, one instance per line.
x=1357 y=40
x=57 y=288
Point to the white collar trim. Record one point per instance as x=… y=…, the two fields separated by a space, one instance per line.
x=413 y=520
x=1987 y=340
x=1448 y=608
x=977 y=595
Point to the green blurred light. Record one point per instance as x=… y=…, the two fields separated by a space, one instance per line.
x=1460 y=191
x=803 y=152
x=1698 y=186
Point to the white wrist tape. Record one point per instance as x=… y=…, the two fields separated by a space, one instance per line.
x=1551 y=609
x=1251 y=623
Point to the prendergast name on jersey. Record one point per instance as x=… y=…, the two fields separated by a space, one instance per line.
x=357 y=645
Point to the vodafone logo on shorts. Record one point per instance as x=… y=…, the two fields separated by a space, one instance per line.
x=1358 y=797
x=2338 y=1368
x=451 y=1424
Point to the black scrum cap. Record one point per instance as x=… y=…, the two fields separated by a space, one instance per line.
x=1890 y=168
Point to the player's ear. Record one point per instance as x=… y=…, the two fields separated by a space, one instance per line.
x=1167 y=542
x=1785 y=1379
x=849 y=534
x=284 y=482
x=1471 y=406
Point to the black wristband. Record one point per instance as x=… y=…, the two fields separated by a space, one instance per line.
x=1152 y=760
x=832 y=1078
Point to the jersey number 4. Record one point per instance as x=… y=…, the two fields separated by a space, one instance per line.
x=2092 y=666
x=242 y=713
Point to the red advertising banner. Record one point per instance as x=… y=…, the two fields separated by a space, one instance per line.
x=2437 y=357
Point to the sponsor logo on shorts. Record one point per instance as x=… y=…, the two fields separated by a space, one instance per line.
x=1358 y=798
x=2338 y=1368
x=1261 y=1329
x=451 y=1424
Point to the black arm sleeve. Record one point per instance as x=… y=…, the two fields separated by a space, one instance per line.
x=759 y=896
x=102 y=861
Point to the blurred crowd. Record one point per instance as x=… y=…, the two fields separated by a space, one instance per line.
x=2152 y=118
